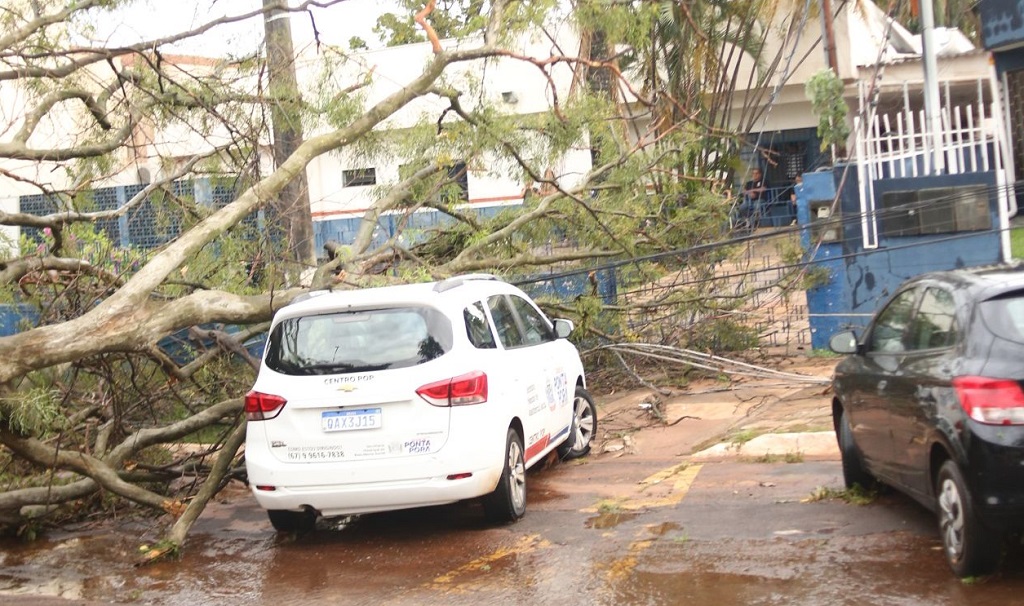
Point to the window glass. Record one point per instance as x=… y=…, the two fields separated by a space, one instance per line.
x=935 y=210
x=477 y=328
x=935 y=323
x=358 y=341
x=1005 y=316
x=357 y=177
x=536 y=327
x=504 y=321
x=887 y=335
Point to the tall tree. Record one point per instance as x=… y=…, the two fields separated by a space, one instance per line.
x=290 y=218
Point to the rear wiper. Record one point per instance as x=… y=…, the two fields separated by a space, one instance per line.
x=342 y=367
x=330 y=368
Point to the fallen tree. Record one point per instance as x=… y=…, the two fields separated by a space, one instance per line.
x=93 y=402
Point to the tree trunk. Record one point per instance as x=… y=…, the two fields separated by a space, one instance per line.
x=290 y=220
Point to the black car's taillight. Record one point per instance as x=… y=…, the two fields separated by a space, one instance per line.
x=263 y=406
x=991 y=401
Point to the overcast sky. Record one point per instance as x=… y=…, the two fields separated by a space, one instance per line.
x=148 y=19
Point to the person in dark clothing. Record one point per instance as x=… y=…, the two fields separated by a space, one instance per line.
x=755 y=194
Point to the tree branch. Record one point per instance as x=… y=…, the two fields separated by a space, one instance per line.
x=421 y=19
x=79 y=462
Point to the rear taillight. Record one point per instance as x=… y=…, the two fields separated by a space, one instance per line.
x=262 y=406
x=991 y=401
x=464 y=389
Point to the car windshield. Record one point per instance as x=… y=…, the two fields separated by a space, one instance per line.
x=358 y=341
x=1004 y=316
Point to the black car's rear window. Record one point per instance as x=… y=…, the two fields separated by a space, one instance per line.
x=358 y=341
x=1004 y=316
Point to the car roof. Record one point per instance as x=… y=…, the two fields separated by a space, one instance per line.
x=981 y=282
x=456 y=291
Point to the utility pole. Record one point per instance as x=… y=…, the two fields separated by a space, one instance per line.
x=830 y=36
x=932 y=114
x=290 y=223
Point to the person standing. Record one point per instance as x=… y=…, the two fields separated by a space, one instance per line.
x=798 y=183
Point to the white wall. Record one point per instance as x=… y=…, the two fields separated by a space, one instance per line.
x=514 y=86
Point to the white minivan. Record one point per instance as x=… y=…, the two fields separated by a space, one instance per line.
x=407 y=396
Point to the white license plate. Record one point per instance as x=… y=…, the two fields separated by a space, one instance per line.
x=350 y=420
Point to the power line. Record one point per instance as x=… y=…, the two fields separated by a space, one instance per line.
x=842 y=222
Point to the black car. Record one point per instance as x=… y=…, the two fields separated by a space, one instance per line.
x=930 y=402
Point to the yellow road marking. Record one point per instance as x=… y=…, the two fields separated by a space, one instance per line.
x=663 y=489
x=482 y=564
x=664 y=474
x=622 y=568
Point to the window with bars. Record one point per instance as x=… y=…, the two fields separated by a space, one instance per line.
x=358 y=177
x=456 y=185
x=102 y=199
x=935 y=210
x=149 y=223
x=457 y=190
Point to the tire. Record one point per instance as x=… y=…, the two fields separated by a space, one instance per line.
x=854 y=472
x=970 y=547
x=508 y=501
x=299 y=522
x=583 y=427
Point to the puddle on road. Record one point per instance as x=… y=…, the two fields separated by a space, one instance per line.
x=449 y=555
x=899 y=568
x=539 y=493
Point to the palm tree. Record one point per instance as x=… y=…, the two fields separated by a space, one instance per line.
x=948 y=13
x=692 y=56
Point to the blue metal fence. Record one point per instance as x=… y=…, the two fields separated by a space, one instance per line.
x=17 y=317
x=149 y=224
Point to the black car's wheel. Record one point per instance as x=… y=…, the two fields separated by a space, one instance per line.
x=292 y=521
x=853 y=466
x=971 y=548
x=583 y=428
x=508 y=501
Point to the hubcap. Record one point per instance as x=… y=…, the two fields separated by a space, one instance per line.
x=516 y=476
x=951 y=519
x=584 y=424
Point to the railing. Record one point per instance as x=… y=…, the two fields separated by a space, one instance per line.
x=776 y=209
x=900 y=145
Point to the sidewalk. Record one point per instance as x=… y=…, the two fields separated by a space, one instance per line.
x=745 y=419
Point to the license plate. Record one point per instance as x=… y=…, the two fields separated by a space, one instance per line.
x=350 y=420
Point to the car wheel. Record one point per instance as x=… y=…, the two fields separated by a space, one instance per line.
x=292 y=521
x=508 y=501
x=970 y=547
x=853 y=465
x=583 y=427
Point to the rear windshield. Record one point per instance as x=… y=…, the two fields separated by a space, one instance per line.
x=358 y=341
x=1004 y=316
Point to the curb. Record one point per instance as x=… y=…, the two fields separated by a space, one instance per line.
x=816 y=445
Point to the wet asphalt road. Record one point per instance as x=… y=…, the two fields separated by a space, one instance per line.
x=606 y=532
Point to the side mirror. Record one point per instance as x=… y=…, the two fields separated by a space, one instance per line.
x=563 y=328
x=843 y=343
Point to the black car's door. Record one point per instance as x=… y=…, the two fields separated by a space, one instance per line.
x=916 y=389
x=868 y=382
